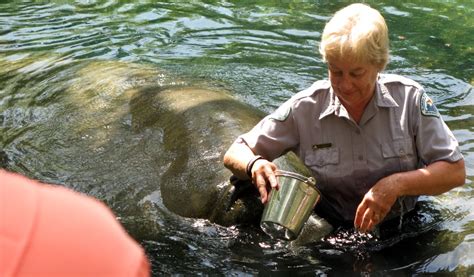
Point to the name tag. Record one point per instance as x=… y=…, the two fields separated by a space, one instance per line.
x=321 y=146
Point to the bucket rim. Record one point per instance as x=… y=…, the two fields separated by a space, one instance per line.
x=308 y=180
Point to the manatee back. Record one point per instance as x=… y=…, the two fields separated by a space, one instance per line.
x=198 y=126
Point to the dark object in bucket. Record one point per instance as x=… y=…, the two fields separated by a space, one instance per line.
x=289 y=207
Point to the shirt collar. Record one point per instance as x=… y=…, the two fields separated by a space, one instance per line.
x=329 y=106
x=332 y=104
x=383 y=97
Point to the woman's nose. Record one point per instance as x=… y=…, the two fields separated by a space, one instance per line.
x=345 y=83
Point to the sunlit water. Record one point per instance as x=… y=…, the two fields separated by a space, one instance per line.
x=66 y=118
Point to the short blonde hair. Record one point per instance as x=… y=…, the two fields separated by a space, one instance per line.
x=358 y=32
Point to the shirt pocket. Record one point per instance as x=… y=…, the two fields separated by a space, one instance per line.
x=322 y=157
x=399 y=155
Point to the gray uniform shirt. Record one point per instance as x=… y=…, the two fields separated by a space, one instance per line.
x=400 y=130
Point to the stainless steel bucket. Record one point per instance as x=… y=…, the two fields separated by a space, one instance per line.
x=289 y=207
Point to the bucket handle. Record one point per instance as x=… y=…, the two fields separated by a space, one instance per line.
x=308 y=180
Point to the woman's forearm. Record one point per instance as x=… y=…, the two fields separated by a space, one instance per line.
x=236 y=159
x=436 y=178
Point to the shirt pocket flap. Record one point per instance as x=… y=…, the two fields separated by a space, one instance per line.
x=322 y=157
x=397 y=148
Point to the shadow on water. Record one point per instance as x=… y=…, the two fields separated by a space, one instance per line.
x=347 y=252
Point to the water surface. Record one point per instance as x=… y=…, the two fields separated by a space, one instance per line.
x=67 y=119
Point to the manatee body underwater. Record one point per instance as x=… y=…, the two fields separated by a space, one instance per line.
x=147 y=143
x=199 y=125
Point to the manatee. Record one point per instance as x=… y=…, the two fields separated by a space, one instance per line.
x=199 y=124
x=134 y=136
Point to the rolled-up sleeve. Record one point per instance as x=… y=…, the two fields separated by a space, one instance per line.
x=275 y=134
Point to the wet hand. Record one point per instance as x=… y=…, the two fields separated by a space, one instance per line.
x=263 y=177
x=376 y=204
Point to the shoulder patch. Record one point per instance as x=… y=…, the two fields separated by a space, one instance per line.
x=427 y=106
x=282 y=113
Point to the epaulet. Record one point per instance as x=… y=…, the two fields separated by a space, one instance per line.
x=282 y=113
x=316 y=87
x=394 y=78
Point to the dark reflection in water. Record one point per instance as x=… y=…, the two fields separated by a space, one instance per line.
x=212 y=249
x=67 y=70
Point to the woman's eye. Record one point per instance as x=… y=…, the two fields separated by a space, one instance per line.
x=356 y=74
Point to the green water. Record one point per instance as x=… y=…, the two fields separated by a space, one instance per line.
x=65 y=67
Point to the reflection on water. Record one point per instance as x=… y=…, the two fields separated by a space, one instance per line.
x=67 y=69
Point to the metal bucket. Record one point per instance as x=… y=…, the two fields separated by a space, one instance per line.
x=289 y=207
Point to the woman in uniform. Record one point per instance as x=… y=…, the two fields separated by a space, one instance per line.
x=374 y=141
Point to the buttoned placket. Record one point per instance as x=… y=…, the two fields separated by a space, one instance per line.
x=359 y=149
x=359 y=155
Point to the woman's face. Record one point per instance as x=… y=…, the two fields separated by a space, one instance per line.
x=353 y=83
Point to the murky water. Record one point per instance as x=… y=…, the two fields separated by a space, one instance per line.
x=67 y=117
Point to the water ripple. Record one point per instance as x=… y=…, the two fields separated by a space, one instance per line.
x=67 y=118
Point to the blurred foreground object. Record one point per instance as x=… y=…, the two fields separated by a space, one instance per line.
x=50 y=230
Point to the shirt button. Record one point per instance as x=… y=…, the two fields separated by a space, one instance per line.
x=361 y=158
x=358 y=131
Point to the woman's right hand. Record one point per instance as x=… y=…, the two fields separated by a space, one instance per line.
x=243 y=163
x=263 y=177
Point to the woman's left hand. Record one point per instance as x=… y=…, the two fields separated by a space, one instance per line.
x=376 y=204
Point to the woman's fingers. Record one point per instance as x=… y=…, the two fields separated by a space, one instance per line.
x=261 y=185
x=370 y=219
x=270 y=175
x=366 y=220
x=263 y=176
x=367 y=217
x=376 y=204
